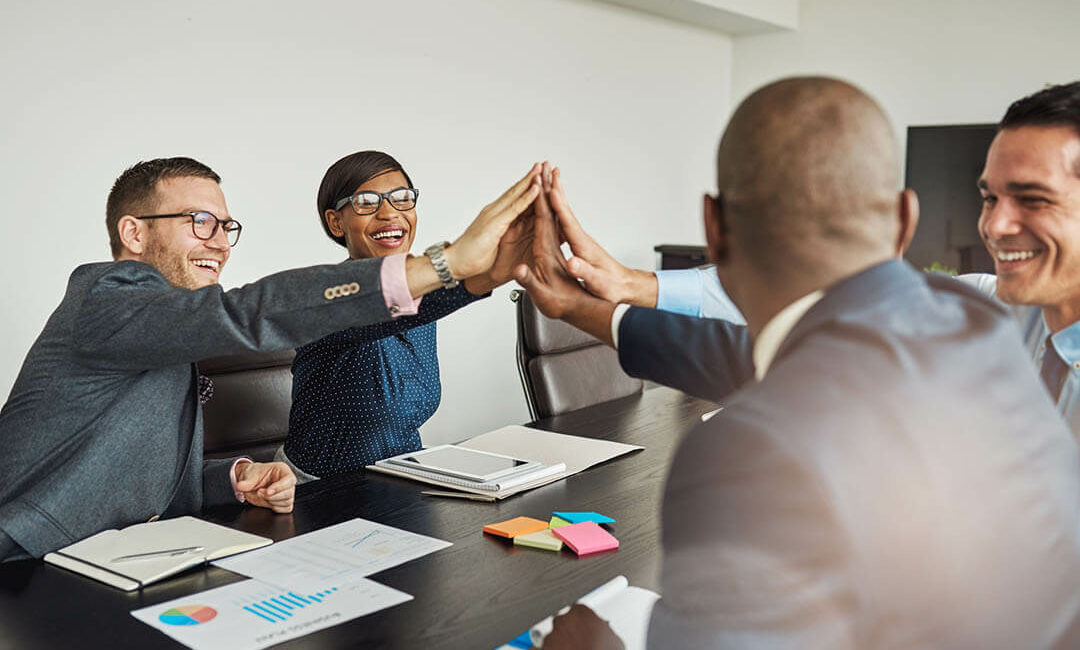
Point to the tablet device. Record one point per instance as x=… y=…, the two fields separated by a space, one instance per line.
x=479 y=466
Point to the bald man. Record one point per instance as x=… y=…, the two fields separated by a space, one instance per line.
x=896 y=476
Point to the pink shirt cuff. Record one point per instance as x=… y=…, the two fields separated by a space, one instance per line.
x=395 y=287
x=232 y=478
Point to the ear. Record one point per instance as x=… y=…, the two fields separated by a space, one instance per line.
x=333 y=222
x=908 y=217
x=716 y=230
x=133 y=235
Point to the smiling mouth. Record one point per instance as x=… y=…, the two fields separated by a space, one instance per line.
x=213 y=266
x=391 y=237
x=1015 y=256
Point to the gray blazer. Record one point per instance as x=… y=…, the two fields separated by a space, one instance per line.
x=103 y=426
x=899 y=479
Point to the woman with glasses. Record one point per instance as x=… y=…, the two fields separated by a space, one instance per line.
x=361 y=394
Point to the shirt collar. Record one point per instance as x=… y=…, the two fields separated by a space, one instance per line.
x=776 y=330
x=1067 y=344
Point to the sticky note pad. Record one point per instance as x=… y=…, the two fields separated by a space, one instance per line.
x=516 y=526
x=540 y=539
x=578 y=517
x=558 y=522
x=586 y=537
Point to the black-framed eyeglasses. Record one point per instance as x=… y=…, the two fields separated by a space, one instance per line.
x=403 y=198
x=205 y=225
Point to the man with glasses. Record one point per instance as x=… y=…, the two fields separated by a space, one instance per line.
x=103 y=427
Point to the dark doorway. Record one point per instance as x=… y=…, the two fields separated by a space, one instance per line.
x=943 y=165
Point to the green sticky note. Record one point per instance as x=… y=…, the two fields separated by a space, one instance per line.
x=558 y=522
x=543 y=539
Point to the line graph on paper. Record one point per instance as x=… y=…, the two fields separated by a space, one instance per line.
x=353 y=549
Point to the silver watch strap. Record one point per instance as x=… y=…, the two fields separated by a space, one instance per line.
x=436 y=254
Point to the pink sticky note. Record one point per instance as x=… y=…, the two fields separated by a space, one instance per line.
x=586 y=537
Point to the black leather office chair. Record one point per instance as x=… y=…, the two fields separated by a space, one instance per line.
x=249 y=413
x=562 y=368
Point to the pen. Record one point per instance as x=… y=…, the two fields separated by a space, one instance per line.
x=156 y=554
x=458 y=495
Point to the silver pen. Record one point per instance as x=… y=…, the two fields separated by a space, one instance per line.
x=156 y=554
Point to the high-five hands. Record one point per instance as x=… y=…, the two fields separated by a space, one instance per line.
x=554 y=291
x=601 y=273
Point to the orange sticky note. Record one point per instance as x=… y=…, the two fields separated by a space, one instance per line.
x=516 y=526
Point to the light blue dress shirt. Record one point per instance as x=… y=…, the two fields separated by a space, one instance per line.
x=695 y=292
x=698 y=292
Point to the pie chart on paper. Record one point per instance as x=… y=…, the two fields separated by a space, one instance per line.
x=188 y=615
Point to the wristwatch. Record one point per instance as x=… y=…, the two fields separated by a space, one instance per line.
x=436 y=254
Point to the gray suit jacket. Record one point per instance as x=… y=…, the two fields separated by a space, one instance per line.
x=899 y=479
x=103 y=427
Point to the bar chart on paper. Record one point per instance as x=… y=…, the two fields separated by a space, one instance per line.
x=333 y=555
x=252 y=614
x=280 y=606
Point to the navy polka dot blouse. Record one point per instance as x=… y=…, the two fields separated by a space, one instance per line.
x=360 y=395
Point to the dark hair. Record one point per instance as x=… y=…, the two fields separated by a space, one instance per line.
x=349 y=173
x=135 y=191
x=1052 y=106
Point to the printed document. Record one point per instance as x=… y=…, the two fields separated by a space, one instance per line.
x=342 y=553
x=251 y=614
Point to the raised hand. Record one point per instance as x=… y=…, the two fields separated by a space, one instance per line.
x=474 y=252
x=601 y=273
x=515 y=247
x=555 y=292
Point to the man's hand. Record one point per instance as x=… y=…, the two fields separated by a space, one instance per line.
x=474 y=252
x=554 y=292
x=581 y=628
x=267 y=485
x=602 y=274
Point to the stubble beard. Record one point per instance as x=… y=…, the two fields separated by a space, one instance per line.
x=174 y=266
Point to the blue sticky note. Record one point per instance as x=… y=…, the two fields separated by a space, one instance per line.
x=578 y=517
x=522 y=640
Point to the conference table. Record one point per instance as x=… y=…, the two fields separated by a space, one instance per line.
x=479 y=593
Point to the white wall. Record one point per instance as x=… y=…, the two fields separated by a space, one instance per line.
x=466 y=94
x=927 y=61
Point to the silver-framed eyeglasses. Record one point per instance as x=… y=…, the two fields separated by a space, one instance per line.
x=403 y=198
x=205 y=225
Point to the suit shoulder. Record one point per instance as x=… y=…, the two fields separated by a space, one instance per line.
x=123 y=272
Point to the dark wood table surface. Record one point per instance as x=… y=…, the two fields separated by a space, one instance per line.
x=478 y=593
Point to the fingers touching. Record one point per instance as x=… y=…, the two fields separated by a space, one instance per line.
x=267 y=485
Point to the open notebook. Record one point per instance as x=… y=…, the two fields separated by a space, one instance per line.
x=138 y=555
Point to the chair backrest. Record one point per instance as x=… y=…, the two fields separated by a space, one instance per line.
x=562 y=368
x=249 y=413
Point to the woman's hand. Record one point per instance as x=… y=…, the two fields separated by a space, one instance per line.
x=475 y=251
x=515 y=247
